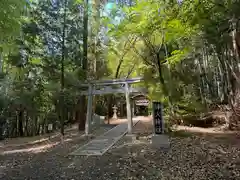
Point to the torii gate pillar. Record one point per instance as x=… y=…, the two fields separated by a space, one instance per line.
x=89 y=110
x=129 y=111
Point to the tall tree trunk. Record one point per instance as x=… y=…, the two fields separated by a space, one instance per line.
x=1 y=129
x=1 y=60
x=62 y=69
x=160 y=74
x=95 y=33
x=170 y=101
x=82 y=101
x=220 y=82
x=224 y=74
x=201 y=85
x=20 y=122
x=234 y=42
x=26 y=129
x=206 y=81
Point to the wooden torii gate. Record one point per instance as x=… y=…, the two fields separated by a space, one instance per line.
x=93 y=89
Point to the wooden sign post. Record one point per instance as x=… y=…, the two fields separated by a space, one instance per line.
x=159 y=138
x=158 y=122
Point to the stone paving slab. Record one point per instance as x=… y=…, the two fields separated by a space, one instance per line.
x=103 y=143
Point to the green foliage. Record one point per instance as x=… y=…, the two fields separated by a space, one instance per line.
x=179 y=46
x=157 y=32
x=32 y=81
x=10 y=17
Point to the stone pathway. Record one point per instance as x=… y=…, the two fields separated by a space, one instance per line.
x=102 y=143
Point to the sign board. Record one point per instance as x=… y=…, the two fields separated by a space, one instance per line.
x=158 y=118
x=142 y=102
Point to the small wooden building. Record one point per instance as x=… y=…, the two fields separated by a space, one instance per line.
x=140 y=104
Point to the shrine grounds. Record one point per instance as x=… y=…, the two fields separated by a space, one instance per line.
x=197 y=155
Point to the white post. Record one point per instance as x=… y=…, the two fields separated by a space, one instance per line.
x=89 y=109
x=129 y=111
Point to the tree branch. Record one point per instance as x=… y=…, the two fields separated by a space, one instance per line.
x=124 y=54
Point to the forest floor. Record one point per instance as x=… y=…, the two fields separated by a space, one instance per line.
x=193 y=155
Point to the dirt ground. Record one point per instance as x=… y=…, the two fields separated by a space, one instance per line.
x=193 y=155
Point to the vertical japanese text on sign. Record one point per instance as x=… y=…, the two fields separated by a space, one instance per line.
x=158 y=118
